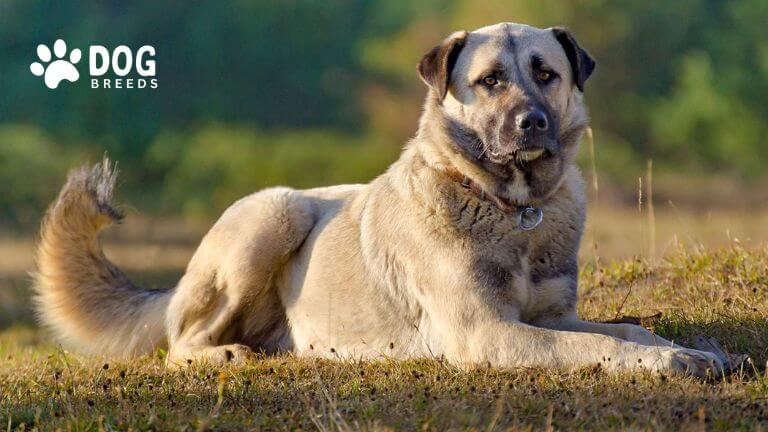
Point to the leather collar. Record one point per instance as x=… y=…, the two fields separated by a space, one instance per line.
x=529 y=217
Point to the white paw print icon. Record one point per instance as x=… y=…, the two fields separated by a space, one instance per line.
x=58 y=70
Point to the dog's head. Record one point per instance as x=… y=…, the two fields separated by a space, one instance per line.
x=509 y=98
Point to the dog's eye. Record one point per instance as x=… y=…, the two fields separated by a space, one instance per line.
x=490 y=80
x=545 y=76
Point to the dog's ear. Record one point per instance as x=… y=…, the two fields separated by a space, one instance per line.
x=436 y=65
x=582 y=63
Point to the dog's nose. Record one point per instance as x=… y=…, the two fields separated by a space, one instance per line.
x=532 y=121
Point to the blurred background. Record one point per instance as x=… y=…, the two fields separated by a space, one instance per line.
x=308 y=92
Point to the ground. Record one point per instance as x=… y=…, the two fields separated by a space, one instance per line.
x=720 y=292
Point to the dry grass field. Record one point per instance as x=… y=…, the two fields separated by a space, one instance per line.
x=700 y=274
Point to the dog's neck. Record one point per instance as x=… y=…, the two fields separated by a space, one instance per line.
x=468 y=183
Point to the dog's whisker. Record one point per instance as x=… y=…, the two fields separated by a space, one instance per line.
x=486 y=148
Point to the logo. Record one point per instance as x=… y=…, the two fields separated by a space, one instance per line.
x=58 y=70
x=115 y=69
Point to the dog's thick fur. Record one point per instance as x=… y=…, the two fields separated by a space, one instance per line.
x=412 y=264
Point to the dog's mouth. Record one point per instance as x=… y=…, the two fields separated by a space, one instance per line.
x=529 y=155
x=519 y=156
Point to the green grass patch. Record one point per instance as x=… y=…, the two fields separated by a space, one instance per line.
x=721 y=294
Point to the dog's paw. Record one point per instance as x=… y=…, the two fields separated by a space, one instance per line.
x=683 y=361
x=233 y=354
x=697 y=363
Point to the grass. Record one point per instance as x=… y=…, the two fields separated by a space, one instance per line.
x=718 y=292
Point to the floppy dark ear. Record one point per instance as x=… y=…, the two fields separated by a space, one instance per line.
x=436 y=65
x=582 y=63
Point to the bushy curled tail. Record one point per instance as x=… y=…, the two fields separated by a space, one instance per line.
x=84 y=298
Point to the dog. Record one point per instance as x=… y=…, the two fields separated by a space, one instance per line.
x=464 y=249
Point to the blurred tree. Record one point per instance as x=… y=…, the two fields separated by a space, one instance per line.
x=31 y=167
x=220 y=163
x=259 y=93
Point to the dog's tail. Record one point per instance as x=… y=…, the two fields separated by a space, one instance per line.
x=84 y=298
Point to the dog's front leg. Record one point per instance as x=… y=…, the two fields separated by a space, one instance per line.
x=472 y=329
x=517 y=344
x=628 y=332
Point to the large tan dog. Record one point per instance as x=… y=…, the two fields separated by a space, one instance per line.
x=465 y=248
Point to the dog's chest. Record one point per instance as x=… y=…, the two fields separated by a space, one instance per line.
x=551 y=284
x=532 y=274
x=530 y=286
x=529 y=274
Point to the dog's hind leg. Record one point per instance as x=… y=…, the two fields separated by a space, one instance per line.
x=228 y=293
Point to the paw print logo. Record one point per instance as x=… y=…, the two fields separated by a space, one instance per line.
x=59 y=69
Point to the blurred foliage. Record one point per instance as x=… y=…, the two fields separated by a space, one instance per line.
x=220 y=164
x=309 y=92
x=31 y=166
